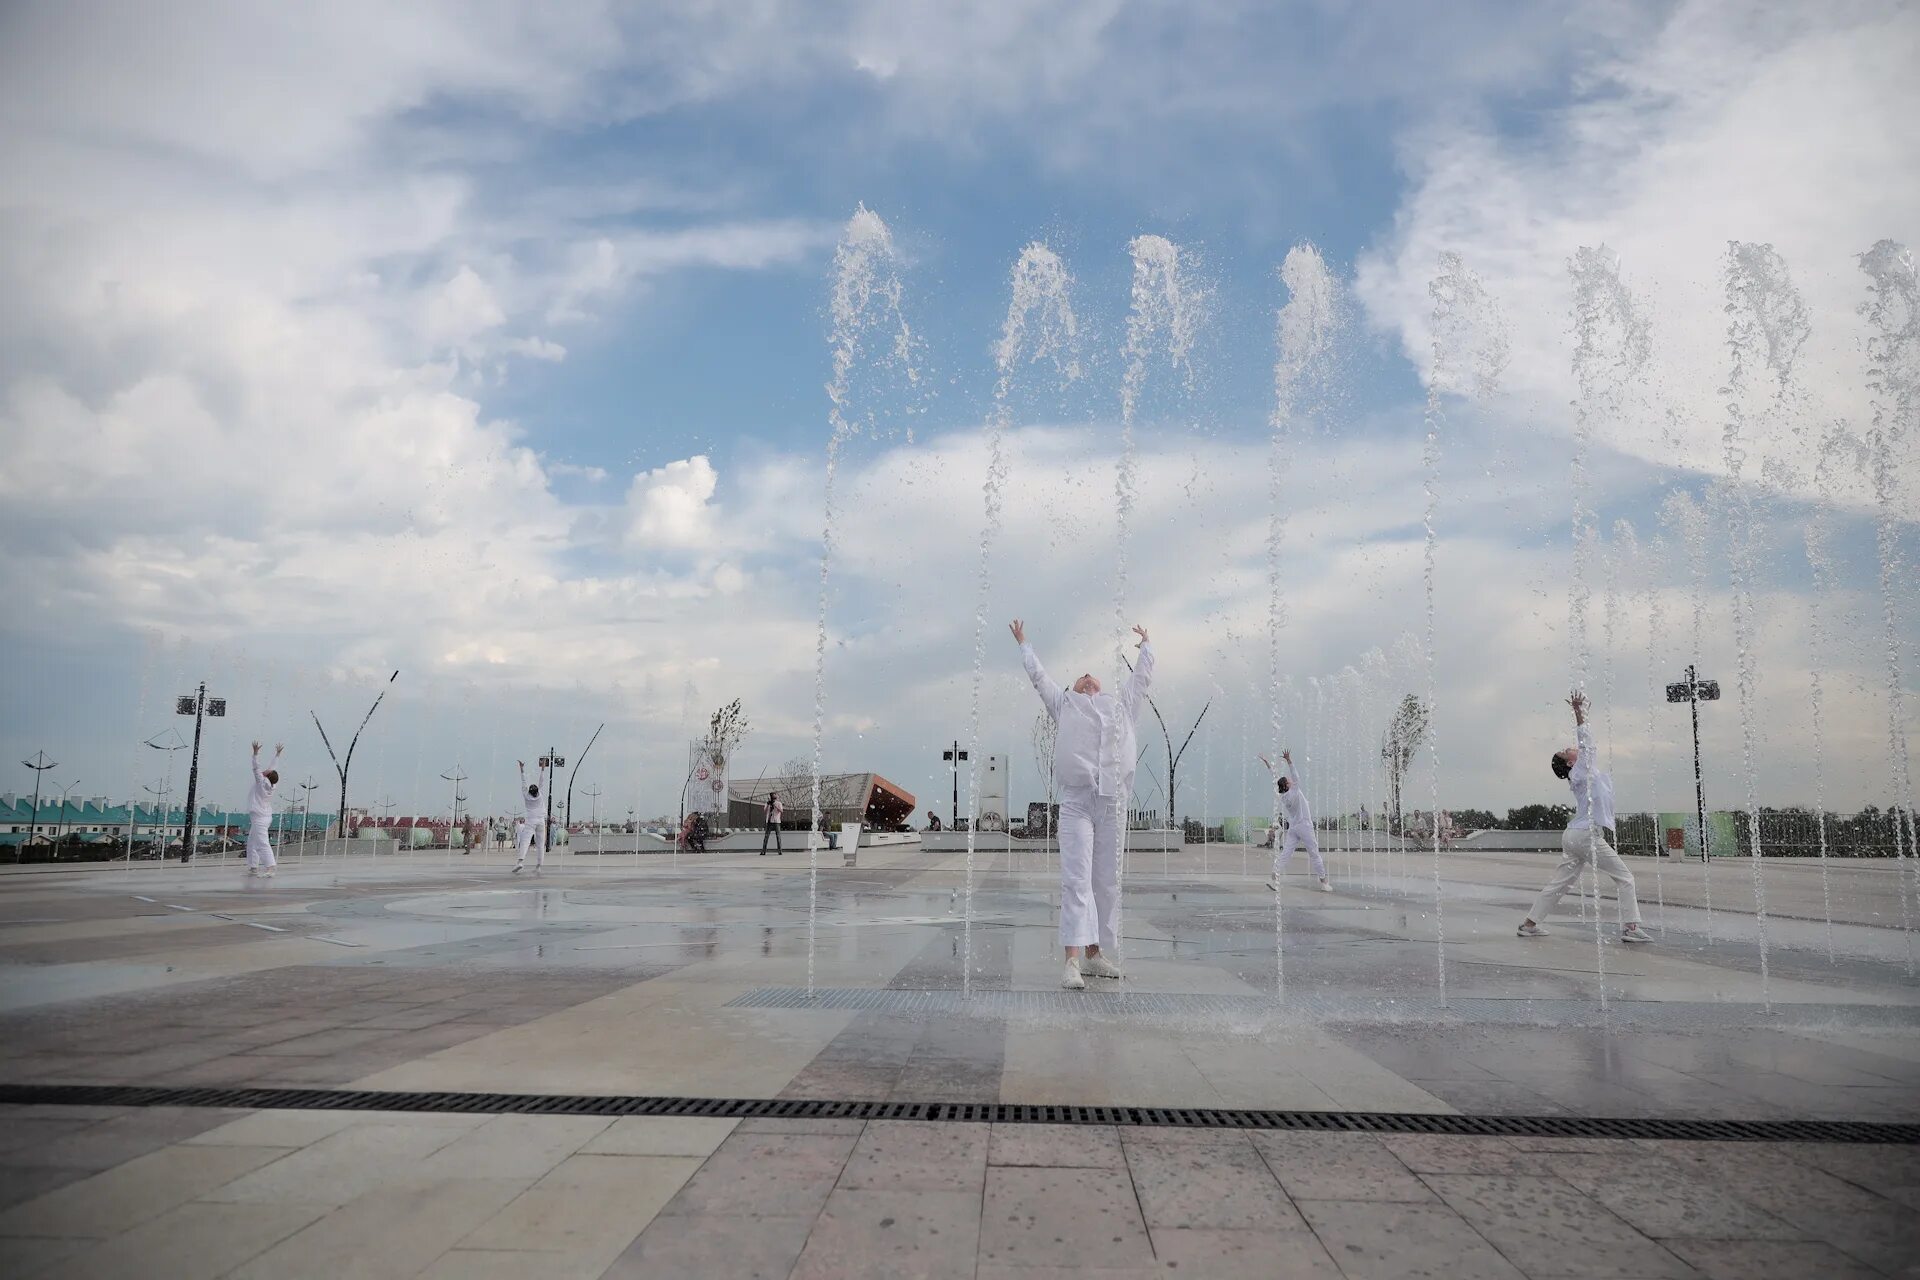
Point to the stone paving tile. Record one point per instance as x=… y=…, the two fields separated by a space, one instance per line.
x=513 y=1147
x=1891 y=1171
x=135 y=1192
x=190 y=1242
x=24 y=1256
x=1547 y=1228
x=1661 y=1199
x=337 y=1168
x=1338 y=1166
x=828 y=1127
x=587 y=1209
x=884 y=1235
x=20 y=1182
x=908 y=1155
x=1770 y=1260
x=1887 y=1238
x=17 y=1133
x=1242 y=1255
x=741 y=1246
x=392 y=1233
x=322 y=1043
x=776 y=1175
x=1433 y=1153
x=1075 y=1146
x=108 y=1143
x=1384 y=1240
x=1062 y=1218
x=660 y=1136
x=1220 y=1184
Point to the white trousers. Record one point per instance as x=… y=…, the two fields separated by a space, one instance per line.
x=1090 y=829
x=527 y=834
x=1577 y=844
x=259 y=848
x=1297 y=838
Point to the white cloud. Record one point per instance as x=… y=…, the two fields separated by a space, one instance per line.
x=1784 y=124
x=669 y=506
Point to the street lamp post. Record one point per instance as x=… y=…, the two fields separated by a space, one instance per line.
x=548 y=763
x=306 y=810
x=198 y=705
x=1694 y=691
x=162 y=791
x=593 y=820
x=577 y=762
x=955 y=757
x=39 y=764
x=60 y=817
x=456 y=778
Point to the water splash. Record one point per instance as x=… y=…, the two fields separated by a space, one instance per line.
x=1612 y=341
x=1469 y=353
x=1040 y=325
x=1645 y=566
x=1892 y=312
x=1163 y=317
x=1304 y=338
x=1766 y=328
x=864 y=304
x=1686 y=523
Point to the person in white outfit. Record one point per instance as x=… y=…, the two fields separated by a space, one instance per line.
x=1300 y=833
x=260 y=859
x=1586 y=838
x=1093 y=759
x=531 y=828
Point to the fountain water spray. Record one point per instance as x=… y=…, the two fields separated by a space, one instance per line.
x=1163 y=315
x=1040 y=324
x=1304 y=338
x=1643 y=564
x=865 y=301
x=1687 y=524
x=1767 y=326
x=1892 y=311
x=1612 y=343
x=1469 y=353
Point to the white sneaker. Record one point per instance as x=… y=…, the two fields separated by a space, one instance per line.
x=252 y=872
x=268 y=873
x=1325 y=887
x=1634 y=933
x=518 y=867
x=1072 y=980
x=1099 y=967
x=1530 y=931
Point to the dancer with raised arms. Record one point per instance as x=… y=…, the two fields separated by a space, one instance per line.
x=1587 y=837
x=260 y=859
x=1300 y=833
x=1093 y=761
x=531 y=829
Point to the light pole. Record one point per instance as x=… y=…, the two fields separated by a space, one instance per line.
x=1694 y=691
x=60 y=817
x=341 y=766
x=456 y=778
x=163 y=790
x=198 y=705
x=577 y=762
x=306 y=809
x=39 y=764
x=548 y=763
x=955 y=756
x=593 y=793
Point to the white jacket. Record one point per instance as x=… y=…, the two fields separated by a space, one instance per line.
x=1095 y=747
x=1602 y=785
x=260 y=795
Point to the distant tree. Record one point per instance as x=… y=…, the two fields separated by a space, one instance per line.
x=1405 y=732
x=726 y=729
x=1539 y=817
x=1475 y=820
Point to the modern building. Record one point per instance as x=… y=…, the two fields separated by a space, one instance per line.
x=865 y=798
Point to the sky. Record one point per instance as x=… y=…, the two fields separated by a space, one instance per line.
x=491 y=343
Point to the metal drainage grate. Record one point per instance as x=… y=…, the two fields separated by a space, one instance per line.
x=106 y=1095
x=1690 y=1015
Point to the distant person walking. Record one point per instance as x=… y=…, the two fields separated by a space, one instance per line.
x=1588 y=838
x=775 y=812
x=933 y=821
x=1300 y=832
x=1093 y=761
x=260 y=859
x=531 y=830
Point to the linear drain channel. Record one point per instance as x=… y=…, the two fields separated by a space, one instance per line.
x=541 y=1104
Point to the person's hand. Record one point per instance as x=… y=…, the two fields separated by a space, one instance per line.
x=256 y=746
x=1577 y=700
x=522 y=764
x=1019 y=630
x=1142 y=633
x=278 y=747
x=1269 y=764
x=1287 y=756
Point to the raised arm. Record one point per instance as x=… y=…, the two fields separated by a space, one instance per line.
x=1142 y=676
x=1582 y=735
x=256 y=761
x=1050 y=693
x=1291 y=775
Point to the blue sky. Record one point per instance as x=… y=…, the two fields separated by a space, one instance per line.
x=501 y=337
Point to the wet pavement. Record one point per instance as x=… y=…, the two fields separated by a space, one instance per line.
x=655 y=975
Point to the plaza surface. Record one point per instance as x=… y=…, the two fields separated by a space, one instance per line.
x=709 y=978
